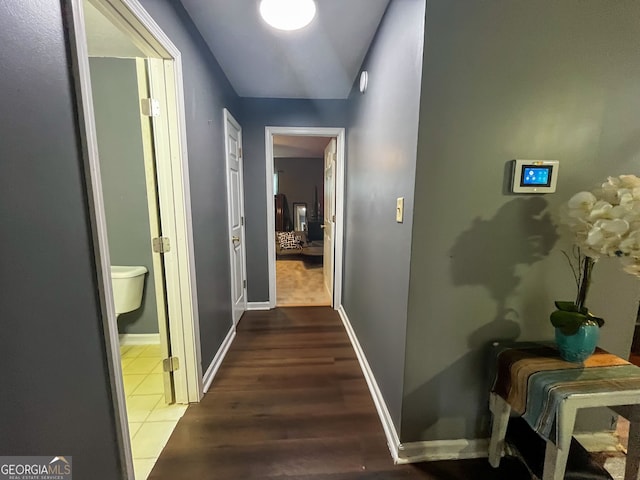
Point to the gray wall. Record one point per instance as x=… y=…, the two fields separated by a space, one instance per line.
x=382 y=140
x=505 y=80
x=297 y=179
x=56 y=396
x=257 y=113
x=114 y=83
x=207 y=91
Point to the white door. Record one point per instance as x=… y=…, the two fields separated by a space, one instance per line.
x=151 y=84
x=235 y=206
x=181 y=357
x=329 y=213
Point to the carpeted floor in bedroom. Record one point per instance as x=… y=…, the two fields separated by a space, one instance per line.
x=300 y=282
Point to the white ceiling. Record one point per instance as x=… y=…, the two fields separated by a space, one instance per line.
x=297 y=146
x=320 y=61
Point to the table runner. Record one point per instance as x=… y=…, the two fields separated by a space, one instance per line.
x=533 y=379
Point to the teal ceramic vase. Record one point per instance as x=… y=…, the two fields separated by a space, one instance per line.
x=580 y=346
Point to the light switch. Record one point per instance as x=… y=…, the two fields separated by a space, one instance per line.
x=399 y=209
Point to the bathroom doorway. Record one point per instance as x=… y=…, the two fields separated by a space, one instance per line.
x=130 y=87
x=129 y=190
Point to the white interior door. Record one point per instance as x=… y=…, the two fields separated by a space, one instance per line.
x=329 y=214
x=151 y=76
x=235 y=205
x=183 y=361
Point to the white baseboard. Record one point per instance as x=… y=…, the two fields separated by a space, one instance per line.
x=139 y=338
x=217 y=360
x=258 y=306
x=413 y=452
x=389 y=428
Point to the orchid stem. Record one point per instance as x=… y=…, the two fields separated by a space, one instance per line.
x=585 y=281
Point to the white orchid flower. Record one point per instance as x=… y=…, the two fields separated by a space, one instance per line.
x=582 y=201
x=595 y=237
x=618 y=211
x=630 y=244
x=626 y=197
x=617 y=226
x=600 y=209
x=629 y=181
x=606 y=221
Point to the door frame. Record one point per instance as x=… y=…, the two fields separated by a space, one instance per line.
x=229 y=118
x=339 y=134
x=131 y=17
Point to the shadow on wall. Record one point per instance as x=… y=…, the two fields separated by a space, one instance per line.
x=454 y=397
x=488 y=253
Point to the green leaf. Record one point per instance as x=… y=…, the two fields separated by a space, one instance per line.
x=567 y=322
x=566 y=306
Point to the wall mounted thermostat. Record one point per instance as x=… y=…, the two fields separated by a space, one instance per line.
x=535 y=176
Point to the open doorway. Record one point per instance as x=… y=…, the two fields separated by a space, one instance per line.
x=305 y=171
x=127 y=165
x=130 y=85
x=298 y=183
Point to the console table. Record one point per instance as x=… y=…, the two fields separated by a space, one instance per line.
x=533 y=381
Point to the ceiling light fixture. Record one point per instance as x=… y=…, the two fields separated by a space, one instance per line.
x=288 y=14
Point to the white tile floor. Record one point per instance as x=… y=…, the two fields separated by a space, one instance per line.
x=151 y=420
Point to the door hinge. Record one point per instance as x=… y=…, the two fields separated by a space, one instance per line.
x=244 y=284
x=241 y=220
x=239 y=152
x=170 y=364
x=161 y=245
x=150 y=107
x=333 y=218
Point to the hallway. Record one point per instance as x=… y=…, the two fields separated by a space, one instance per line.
x=290 y=402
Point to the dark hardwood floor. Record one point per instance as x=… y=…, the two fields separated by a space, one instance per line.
x=290 y=402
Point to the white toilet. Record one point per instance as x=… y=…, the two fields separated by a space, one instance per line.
x=128 y=283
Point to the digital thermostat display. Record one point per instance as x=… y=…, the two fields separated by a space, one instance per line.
x=534 y=176
x=540 y=176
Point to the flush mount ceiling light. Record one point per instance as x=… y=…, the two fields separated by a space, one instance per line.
x=288 y=14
